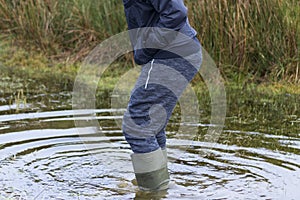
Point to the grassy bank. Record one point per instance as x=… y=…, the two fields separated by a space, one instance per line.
x=251 y=41
x=16 y=62
x=25 y=75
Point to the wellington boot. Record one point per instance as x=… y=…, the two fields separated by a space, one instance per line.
x=151 y=170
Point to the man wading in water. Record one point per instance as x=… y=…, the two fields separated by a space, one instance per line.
x=174 y=52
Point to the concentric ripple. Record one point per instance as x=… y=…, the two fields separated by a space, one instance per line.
x=43 y=156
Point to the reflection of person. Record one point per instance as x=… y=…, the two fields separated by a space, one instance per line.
x=163 y=23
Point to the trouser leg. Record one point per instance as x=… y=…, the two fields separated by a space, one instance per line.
x=148 y=133
x=149 y=109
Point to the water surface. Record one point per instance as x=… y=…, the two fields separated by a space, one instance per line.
x=44 y=156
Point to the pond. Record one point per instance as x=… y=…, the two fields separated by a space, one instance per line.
x=43 y=155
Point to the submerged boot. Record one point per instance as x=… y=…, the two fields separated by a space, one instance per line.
x=151 y=170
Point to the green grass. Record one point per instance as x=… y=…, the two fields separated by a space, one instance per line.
x=34 y=67
x=62 y=29
x=17 y=63
x=251 y=37
x=251 y=41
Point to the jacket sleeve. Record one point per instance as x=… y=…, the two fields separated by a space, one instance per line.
x=172 y=17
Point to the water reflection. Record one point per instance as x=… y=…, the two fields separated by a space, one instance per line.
x=43 y=155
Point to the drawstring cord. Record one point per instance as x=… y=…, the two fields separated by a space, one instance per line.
x=149 y=72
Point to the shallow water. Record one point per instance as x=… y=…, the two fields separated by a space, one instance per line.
x=44 y=156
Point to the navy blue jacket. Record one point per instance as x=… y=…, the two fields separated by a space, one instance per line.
x=156 y=23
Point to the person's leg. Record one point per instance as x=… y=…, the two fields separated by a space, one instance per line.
x=143 y=126
x=148 y=112
x=161 y=139
x=146 y=124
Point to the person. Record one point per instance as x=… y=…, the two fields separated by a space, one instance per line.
x=166 y=46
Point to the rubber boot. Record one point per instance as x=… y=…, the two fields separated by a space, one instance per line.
x=151 y=170
x=164 y=151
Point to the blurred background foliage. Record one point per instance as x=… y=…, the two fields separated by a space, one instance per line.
x=253 y=40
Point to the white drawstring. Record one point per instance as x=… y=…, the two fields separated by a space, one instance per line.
x=149 y=72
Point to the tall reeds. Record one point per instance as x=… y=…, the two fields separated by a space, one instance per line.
x=256 y=37
x=251 y=36
x=61 y=28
